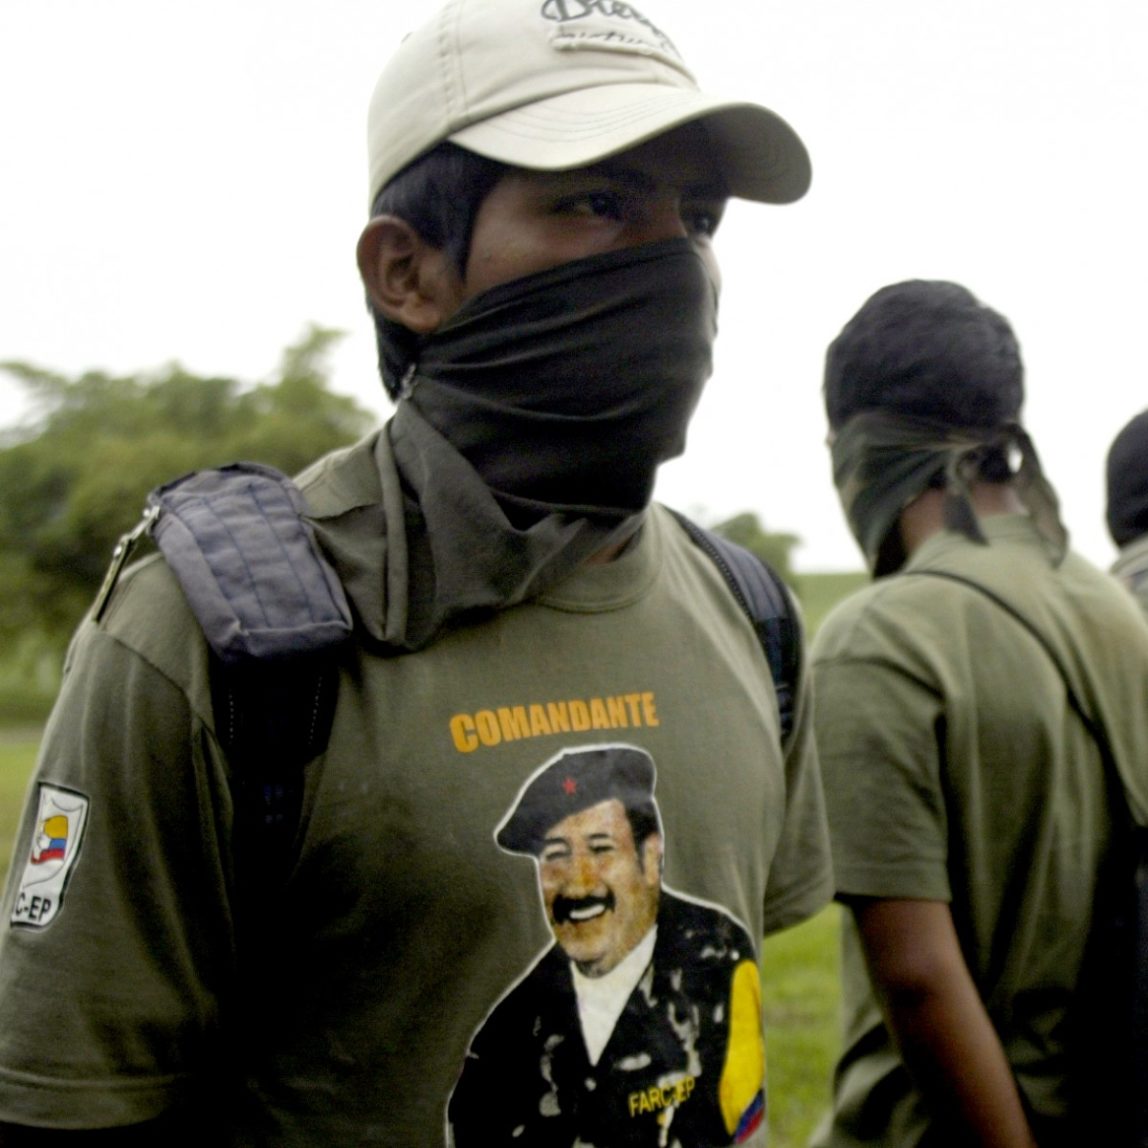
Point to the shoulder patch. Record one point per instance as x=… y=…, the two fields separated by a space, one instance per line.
x=61 y=816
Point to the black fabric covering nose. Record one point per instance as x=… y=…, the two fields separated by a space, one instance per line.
x=566 y=389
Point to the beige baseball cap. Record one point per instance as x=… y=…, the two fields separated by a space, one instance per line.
x=553 y=84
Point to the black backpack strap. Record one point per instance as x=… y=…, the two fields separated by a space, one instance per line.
x=271 y=721
x=275 y=616
x=762 y=595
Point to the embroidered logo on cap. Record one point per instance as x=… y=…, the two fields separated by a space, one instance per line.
x=617 y=25
x=56 y=835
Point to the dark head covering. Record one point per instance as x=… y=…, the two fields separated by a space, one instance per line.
x=1128 y=482
x=923 y=388
x=882 y=462
x=573 y=781
x=926 y=349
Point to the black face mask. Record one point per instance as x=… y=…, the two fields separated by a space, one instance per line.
x=565 y=390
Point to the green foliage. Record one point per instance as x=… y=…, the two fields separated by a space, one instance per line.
x=30 y=668
x=747 y=530
x=821 y=592
x=17 y=756
x=74 y=478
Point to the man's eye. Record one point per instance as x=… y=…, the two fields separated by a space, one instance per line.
x=602 y=204
x=701 y=220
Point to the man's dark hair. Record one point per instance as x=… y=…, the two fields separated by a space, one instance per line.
x=928 y=349
x=1127 y=482
x=439 y=196
x=644 y=822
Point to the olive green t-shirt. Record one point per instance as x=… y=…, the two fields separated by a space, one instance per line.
x=955 y=771
x=402 y=923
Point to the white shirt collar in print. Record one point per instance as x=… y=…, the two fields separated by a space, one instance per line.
x=602 y=999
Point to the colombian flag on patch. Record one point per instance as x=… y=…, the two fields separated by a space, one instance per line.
x=57 y=834
x=52 y=841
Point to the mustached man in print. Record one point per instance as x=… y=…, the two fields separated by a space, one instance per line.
x=641 y=1023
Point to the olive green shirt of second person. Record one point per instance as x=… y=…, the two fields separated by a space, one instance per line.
x=955 y=771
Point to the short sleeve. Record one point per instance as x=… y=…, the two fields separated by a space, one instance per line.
x=109 y=991
x=878 y=731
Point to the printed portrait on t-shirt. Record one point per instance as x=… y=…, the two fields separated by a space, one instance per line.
x=641 y=1023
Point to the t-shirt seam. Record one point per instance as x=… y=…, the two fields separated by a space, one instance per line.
x=28 y=1081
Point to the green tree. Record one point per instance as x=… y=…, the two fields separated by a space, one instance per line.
x=747 y=530
x=74 y=477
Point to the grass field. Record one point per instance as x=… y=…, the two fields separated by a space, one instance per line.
x=801 y=993
x=819 y=593
x=801 y=966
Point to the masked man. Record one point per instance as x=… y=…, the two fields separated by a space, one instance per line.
x=545 y=184
x=970 y=804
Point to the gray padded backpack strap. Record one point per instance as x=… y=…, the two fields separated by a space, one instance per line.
x=238 y=543
x=275 y=616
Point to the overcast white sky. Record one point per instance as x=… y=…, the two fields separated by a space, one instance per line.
x=186 y=181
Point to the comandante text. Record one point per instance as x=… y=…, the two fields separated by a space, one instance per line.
x=492 y=727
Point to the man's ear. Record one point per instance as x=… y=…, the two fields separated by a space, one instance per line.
x=408 y=280
x=652 y=858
